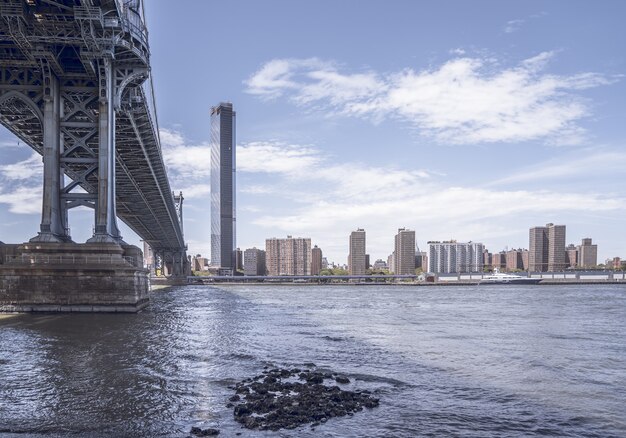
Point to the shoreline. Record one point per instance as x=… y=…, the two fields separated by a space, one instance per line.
x=421 y=284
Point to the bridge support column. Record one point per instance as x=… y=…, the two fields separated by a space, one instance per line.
x=178 y=264
x=167 y=264
x=106 y=230
x=173 y=263
x=53 y=227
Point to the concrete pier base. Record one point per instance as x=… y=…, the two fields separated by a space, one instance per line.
x=71 y=277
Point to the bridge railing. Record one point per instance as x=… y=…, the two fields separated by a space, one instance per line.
x=132 y=20
x=55 y=259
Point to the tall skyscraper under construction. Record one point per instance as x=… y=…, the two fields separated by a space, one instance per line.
x=223 y=230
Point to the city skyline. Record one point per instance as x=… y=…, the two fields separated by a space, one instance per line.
x=546 y=252
x=336 y=131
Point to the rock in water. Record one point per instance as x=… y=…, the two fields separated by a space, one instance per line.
x=342 y=379
x=196 y=431
x=274 y=401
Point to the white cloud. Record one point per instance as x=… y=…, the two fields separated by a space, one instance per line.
x=23 y=200
x=23 y=170
x=196 y=191
x=338 y=88
x=21 y=185
x=362 y=190
x=611 y=163
x=171 y=138
x=275 y=157
x=445 y=205
x=9 y=144
x=276 y=76
x=465 y=100
x=251 y=209
x=256 y=189
x=357 y=181
x=513 y=25
x=185 y=160
x=299 y=167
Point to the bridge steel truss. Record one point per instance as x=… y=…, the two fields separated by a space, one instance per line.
x=72 y=76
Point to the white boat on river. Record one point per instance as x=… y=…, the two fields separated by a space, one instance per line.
x=500 y=278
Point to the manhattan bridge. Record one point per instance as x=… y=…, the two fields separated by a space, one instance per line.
x=75 y=86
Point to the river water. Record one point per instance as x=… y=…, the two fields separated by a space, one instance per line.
x=444 y=361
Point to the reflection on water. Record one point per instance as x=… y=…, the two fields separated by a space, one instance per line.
x=444 y=361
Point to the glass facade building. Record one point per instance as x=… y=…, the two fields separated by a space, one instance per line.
x=223 y=230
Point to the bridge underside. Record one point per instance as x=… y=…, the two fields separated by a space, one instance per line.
x=72 y=75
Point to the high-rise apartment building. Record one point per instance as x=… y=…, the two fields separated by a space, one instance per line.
x=356 y=257
x=487 y=258
x=316 y=260
x=587 y=254
x=453 y=257
x=547 y=248
x=525 y=255
x=404 y=252
x=498 y=260
x=254 y=261
x=538 y=250
x=571 y=256
x=290 y=256
x=616 y=263
x=515 y=259
x=556 y=247
x=223 y=230
x=272 y=255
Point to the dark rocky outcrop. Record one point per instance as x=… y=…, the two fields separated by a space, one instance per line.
x=289 y=398
x=196 y=431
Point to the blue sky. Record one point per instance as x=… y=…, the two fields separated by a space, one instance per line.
x=460 y=120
